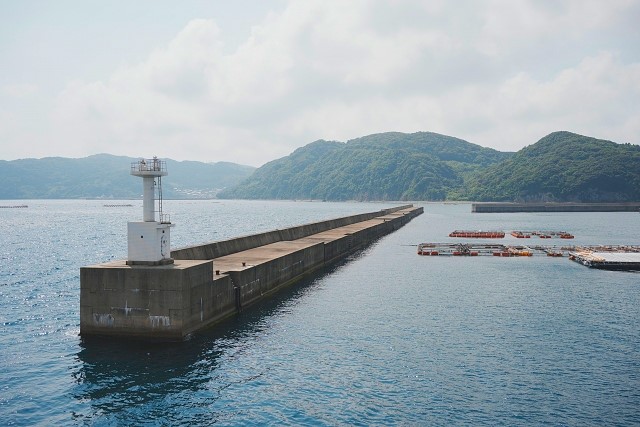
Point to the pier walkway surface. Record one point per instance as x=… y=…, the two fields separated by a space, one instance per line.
x=261 y=254
x=209 y=282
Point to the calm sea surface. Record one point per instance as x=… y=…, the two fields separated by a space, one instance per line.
x=385 y=338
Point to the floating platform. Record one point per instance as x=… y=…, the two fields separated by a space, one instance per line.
x=627 y=259
x=477 y=234
x=472 y=249
x=209 y=282
x=490 y=207
x=542 y=234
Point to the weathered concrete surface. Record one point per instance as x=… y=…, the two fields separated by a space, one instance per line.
x=119 y=299
x=170 y=302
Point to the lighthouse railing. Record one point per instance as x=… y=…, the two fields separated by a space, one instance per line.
x=149 y=165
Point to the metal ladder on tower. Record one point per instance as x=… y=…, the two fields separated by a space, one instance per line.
x=162 y=219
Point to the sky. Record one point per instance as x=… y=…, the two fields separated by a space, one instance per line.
x=250 y=81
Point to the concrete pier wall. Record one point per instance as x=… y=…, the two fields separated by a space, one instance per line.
x=255 y=282
x=225 y=247
x=170 y=302
x=123 y=300
x=209 y=302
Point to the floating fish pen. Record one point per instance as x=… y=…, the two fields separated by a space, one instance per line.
x=13 y=206
x=542 y=234
x=127 y=205
x=553 y=253
x=622 y=258
x=470 y=249
x=510 y=251
x=609 y=257
x=477 y=234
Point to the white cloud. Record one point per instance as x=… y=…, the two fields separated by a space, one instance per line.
x=523 y=24
x=485 y=72
x=598 y=97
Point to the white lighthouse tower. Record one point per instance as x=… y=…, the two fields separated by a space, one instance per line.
x=149 y=241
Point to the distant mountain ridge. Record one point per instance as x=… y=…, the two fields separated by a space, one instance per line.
x=561 y=167
x=107 y=176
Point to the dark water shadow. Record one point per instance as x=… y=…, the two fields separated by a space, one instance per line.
x=114 y=375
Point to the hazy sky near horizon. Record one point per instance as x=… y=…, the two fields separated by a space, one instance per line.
x=250 y=81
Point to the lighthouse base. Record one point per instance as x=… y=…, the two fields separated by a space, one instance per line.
x=163 y=302
x=149 y=243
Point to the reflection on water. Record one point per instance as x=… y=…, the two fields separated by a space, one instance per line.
x=121 y=379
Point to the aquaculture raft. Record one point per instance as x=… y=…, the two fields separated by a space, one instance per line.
x=471 y=249
x=610 y=257
x=477 y=234
x=542 y=234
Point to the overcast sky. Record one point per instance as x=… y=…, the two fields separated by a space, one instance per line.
x=250 y=81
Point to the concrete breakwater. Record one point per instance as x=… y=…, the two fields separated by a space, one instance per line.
x=209 y=282
x=554 y=207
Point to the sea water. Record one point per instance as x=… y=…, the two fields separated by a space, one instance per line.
x=385 y=337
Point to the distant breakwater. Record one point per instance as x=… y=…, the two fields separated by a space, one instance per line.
x=506 y=207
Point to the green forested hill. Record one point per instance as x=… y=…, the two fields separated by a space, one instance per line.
x=562 y=166
x=386 y=166
x=107 y=176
